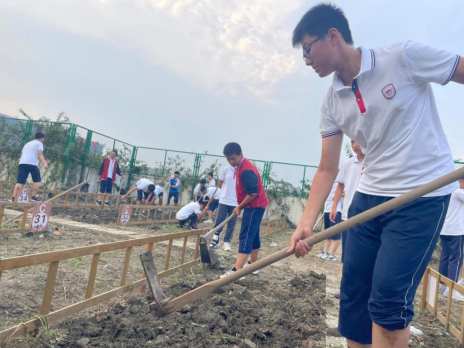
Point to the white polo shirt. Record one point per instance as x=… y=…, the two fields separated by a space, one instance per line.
x=188 y=210
x=329 y=202
x=158 y=191
x=228 y=193
x=197 y=191
x=210 y=192
x=110 y=168
x=349 y=175
x=390 y=111
x=30 y=155
x=454 y=222
x=142 y=184
x=212 y=183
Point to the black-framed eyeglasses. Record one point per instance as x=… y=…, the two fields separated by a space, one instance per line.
x=307 y=48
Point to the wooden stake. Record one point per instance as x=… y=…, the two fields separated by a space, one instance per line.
x=184 y=247
x=49 y=288
x=168 y=256
x=92 y=275
x=149 y=247
x=126 y=266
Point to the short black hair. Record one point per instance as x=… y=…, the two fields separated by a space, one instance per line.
x=319 y=20
x=205 y=199
x=115 y=151
x=39 y=135
x=176 y=172
x=232 y=149
x=203 y=189
x=211 y=174
x=203 y=181
x=151 y=188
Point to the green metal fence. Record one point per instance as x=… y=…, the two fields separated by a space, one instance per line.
x=76 y=152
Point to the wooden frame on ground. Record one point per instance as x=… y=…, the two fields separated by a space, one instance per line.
x=430 y=286
x=53 y=258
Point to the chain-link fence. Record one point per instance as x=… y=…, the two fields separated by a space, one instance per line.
x=75 y=154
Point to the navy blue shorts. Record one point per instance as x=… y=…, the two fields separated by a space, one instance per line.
x=328 y=223
x=175 y=195
x=249 y=231
x=384 y=261
x=213 y=205
x=106 y=186
x=142 y=195
x=24 y=171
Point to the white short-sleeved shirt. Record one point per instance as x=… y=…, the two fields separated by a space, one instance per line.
x=210 y=192
x=390 y=111
x=197 y=191
x=158 y=190
x=228 y=193
x=142 y=184
x=454 y=222
x=30 y=155
x=110 y=168
x=349 y=175
x=212 y=183
x=329 y=202
x=188 y=210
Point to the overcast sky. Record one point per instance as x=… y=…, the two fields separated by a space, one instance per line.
x=193 y=75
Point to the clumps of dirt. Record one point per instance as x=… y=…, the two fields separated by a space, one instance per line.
x=96 y=216
x=255 y=312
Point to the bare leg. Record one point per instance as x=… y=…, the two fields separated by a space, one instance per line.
x=327 y=245
x=383 y=338
x=160 y=201
x=352 y=344
x=254 y=255
x=241 y=259
x=35 y=187
x=334 y=246
x=210 y=214
x=16 y=191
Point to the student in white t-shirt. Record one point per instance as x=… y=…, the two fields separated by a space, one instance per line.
x=383 y=99
x=347 y=183
x=211 y=181
x=29 y=164
x=190 y=213
x=197 y=194
x=227 y=204
x=145 y=189
x=452 y=241
x=213 y=194
x=331 y=244
x=158 y=193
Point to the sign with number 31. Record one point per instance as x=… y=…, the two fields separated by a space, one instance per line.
x=40 y=217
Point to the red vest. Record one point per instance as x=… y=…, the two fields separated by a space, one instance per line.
x=106 y=165
x=261 y=200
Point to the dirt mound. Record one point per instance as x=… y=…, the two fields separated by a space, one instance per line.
x=254 y=312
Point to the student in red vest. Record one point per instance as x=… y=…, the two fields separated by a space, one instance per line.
x=108 y=171
x=253 y=200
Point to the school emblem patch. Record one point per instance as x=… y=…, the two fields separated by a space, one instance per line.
x=389 y=91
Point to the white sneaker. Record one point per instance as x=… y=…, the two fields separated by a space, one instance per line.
x=331 y=258
x=442 y=288
x=227 y=246
x=228 y=273
x=323 y=255
x=258 y=271
x=456 y=295
x=461 y=282
x=215 y=242
x=209 y=221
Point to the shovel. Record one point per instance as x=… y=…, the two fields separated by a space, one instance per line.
x=204 y=253
x=172 y=305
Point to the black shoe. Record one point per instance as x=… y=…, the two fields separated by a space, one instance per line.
x=215 y=242
x=98 y=203
x=191 y=227
x=35 y=199
x=337 y=296
x=107 y=203
x=12 y=199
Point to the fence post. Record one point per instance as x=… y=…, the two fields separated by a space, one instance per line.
x=266 y=173
x=303 y=182
x=68 y=150
x=88 y=139
x=131 y=166
x=196 y=171
x=27 y=133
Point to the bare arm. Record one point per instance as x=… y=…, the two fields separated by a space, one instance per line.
x=458 y=76
x=42 y=158
x=338 y=195
x=320 y=189
x=129 y=192
x=220 y=182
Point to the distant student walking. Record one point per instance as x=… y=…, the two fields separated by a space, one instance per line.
x=108 y=171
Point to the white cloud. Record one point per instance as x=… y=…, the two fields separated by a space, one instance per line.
x=226 y=47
